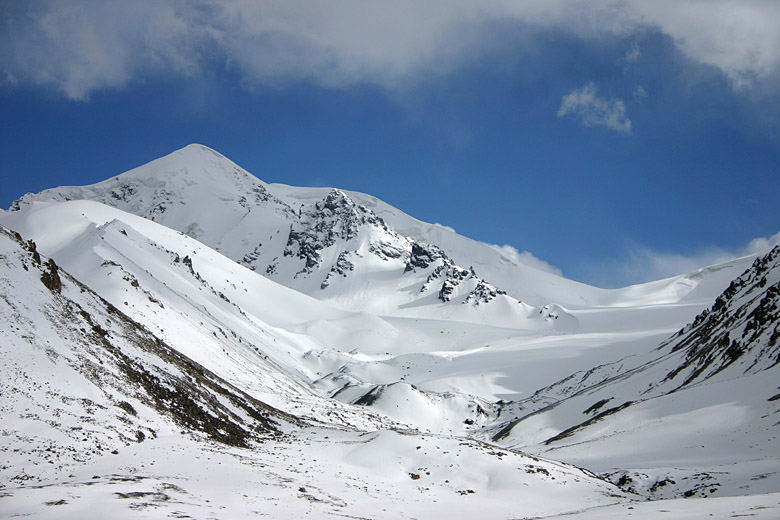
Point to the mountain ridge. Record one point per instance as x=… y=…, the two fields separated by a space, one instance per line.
x=241 y=233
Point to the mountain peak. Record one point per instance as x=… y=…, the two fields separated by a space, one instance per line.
x=258 y=225
x=337 y=199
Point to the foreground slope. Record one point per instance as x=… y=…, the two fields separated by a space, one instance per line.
x=99 y=412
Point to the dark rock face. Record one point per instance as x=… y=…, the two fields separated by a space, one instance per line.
x=341 y=267
x=248 y=259
x=49 y=271
x=452 y=278
x=483 y=293
x=743 y=326
x=386 y=251
x=336 y=217
x=51 y=277
x=423 y=255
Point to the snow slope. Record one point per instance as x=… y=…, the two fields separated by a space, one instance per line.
x=698 y=414
x=373 y=336
x=170 y=281
x=100 y=412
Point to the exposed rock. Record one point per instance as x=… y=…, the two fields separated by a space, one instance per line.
x=423 y=255
x=483 y=293
x=333 y=218
x=51 y=278
x=341 y=267
x=743 y=325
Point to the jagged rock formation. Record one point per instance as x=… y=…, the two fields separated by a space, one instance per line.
x=335 y=218
x=742 y=328
x=449 y=275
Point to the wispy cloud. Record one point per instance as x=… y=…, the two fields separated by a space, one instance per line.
x=591 y=110
x=448 y=228
x=526 y=258
x=643 y=264
x=81 y=46
x=633 y=53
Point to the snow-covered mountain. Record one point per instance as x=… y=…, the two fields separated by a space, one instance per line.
x=371 y=360
x=349 y=248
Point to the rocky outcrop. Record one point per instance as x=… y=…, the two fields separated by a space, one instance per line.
x=340 y=268
x=742 y=327
x=449 y=275
x=335 y=218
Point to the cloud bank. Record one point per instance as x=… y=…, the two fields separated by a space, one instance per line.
x=591 y=110
x=79 y=47
x=643 y=264
x=526 y=258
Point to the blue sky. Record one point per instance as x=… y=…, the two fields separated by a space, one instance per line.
x=616 y=141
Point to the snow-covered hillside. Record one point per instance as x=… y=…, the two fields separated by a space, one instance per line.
x=697 y=415
x=349 y=360
x=101 y=412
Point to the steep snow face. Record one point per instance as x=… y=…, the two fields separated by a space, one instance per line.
x=194 y=190
x=349 y=248
x=706 y=398
x=85 y=377
x=231 y=320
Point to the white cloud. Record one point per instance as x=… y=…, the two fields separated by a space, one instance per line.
x=643 y=264
x=758 y=245
x=81 y=46
x=633 y=53
x=448 y=228
x=526 y=258
x=639 y=93
x=740 y=38
x=592 y=110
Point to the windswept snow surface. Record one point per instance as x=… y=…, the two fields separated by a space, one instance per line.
x=101 y=413
x=404 y=349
